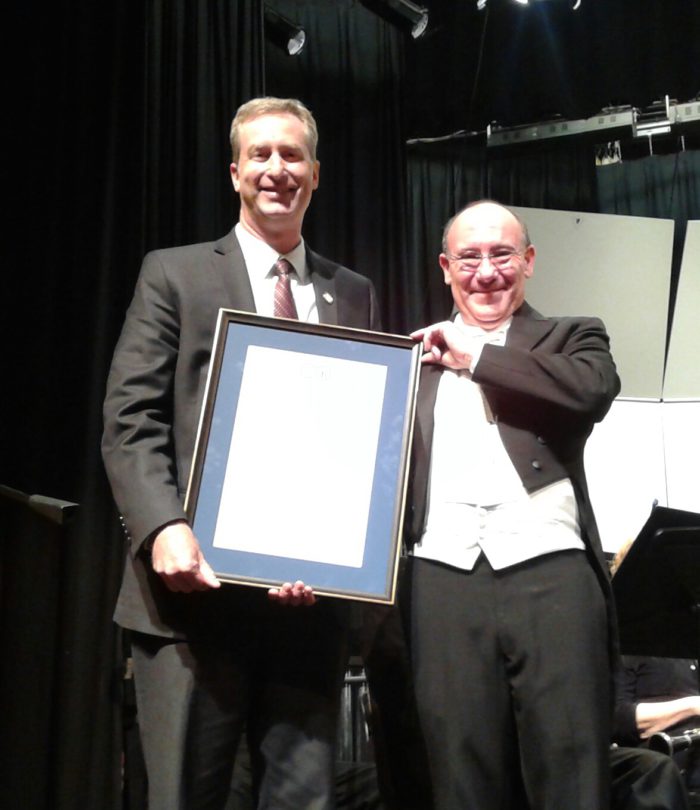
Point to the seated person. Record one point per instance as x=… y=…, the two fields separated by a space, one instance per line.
x=658 y=694
x=654 y=695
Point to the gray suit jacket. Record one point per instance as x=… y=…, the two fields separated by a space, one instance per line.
x=155 y=390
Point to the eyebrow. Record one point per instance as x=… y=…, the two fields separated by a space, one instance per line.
x=491 y=248
x=264 y=146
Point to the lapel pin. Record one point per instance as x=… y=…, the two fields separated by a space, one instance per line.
x=327 y=297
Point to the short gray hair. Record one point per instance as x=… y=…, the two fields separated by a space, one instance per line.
x=269 y=105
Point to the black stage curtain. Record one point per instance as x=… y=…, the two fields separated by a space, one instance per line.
x=445 y=175
x=117 y=121
x=118 y=144
x=665 y=186
x=349 y=74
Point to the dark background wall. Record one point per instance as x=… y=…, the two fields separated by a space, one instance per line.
x=115 y=142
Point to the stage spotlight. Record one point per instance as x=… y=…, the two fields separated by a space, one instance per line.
x=284 y=33
x=402 y=13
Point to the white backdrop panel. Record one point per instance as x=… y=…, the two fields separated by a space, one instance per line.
x=682 y=379
x=615 y=267
x=682 y=446
x=625 y=469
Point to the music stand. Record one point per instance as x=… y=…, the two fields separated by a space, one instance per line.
x=657 y=587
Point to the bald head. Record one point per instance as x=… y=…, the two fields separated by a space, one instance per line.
x=478 y=204
x=486 y=259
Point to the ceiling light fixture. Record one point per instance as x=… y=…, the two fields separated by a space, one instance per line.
x=282 y=32
x=402 y=13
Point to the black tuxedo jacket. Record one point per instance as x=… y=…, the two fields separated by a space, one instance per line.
x=155 y=390
x=546 y=388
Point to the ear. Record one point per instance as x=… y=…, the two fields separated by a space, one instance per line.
x=317 y=172
x=234 y=177
x=529 y=258
x=445 y=264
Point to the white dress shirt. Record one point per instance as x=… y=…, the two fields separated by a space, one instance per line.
x=260 y=259
x=476 y=500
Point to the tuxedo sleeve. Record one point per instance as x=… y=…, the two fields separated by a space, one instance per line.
x=138 y=444
x=570 y=373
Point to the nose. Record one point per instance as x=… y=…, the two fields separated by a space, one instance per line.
x=486 y=269
x=275 y=164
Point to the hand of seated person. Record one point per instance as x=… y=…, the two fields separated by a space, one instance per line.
x=655 y=717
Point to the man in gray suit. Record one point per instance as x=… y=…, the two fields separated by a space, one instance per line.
x=512 y=629
x=212 y=660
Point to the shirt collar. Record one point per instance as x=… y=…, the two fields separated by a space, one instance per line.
x=260 y=257
x=497 y=335
x=297 y=258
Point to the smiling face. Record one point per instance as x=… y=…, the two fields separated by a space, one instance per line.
x=487 y=295
x=275 y=176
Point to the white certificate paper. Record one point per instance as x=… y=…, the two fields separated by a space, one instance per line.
x=300 y=468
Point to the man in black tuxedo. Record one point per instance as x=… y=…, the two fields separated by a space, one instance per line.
x=211 y=660
x=511 y=624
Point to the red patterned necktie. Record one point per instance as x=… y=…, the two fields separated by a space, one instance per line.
x=284 y=302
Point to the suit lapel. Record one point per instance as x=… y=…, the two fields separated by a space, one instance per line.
x=422 y=445
x=232 y=277
x=425 y=403
x=527 y=328
x=232 y=274
x=324 y=288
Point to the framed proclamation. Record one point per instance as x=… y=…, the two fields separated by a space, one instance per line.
x=301 y=459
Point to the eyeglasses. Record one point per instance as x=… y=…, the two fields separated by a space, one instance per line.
x=471 y=260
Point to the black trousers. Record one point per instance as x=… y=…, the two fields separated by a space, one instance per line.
x=645 y=780
x=272 y=672
x=511 y=672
